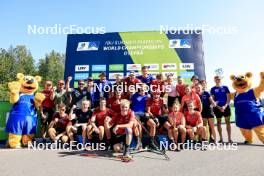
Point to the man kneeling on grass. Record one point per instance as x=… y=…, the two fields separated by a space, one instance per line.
x=122 y=124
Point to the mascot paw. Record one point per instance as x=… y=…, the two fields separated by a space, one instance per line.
x=262 y=75
x=39 y=98
x=14 y=86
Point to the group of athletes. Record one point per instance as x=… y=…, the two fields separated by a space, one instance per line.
x=115 y=117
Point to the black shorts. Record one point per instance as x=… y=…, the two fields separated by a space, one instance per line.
x=49 y=113
x=118 y=139
x=207 y=113
x=144 y=119
x=171 y=100
x=158 y=119
x=219 y=114
x=59 y=130
x=162 y=120
x=79 y=130
x=179 y=98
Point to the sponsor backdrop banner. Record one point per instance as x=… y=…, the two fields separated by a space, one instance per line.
x=170 y=53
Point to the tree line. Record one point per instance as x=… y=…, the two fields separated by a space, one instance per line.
x=20 y=60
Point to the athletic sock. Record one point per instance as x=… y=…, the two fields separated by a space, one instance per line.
x=126 y=151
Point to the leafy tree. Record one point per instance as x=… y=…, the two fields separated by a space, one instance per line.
x=24 y=60
x=7 y=66
x=52 y=67
x=19 y=60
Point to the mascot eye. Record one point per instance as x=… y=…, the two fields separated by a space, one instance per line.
x=26 y=78
x=242 y=77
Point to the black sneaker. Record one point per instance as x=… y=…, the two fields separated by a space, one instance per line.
x=172 y=144
x=178 y=149
x=230 y=141
x=181 y=146
x=152 y=146
x=192 y=144
x=247 y=143
x=108 y=145
x=212 y=141
x=204 y=145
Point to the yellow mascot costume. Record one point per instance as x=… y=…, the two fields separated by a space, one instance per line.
x=248 y=107
x=22 y=121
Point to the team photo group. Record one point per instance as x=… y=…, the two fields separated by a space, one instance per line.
x=130 y=108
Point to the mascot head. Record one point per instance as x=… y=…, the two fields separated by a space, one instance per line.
x=29 y=84
x=242 y=83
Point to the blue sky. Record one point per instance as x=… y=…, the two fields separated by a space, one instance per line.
x=235 y=53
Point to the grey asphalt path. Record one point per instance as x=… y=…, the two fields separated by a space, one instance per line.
x=247 y=160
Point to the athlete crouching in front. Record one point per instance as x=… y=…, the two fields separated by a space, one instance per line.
x=121 y=125
x=97 y=124
x=194 y=123
x=177 y=121
x=156 y=112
